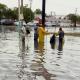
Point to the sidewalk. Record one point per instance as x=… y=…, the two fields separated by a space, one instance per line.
x=72 y=34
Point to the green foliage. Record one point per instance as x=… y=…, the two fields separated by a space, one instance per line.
x=72 y=17
x=2 y=6
x=11 y=14
x=8 y=13
x=78 y=18
x=38 y=11
x=28 y=14
x=2 y=10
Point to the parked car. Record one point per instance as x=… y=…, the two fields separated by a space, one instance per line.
x=32 y=24
x=48 y=24
x=17 y=23
x=7 y=22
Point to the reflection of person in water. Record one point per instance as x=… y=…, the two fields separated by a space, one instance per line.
x=61 y=39
x=52 y=41
x=22 y=36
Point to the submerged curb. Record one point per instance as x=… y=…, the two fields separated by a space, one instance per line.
x=72 y=34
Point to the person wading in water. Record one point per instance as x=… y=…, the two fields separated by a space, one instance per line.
x=61 y=39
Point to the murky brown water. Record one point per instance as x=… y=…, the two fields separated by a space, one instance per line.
x=46 y=64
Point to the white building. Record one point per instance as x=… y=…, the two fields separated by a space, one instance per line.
x=56 y=20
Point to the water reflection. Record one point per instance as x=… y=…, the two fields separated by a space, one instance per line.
x=39 y=65
x=39 y=48
x=59 y=55
x=47 y=65
x=3 y=32
x=23 y=64
x=23 y=73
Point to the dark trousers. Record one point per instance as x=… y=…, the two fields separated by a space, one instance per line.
x=60 y=48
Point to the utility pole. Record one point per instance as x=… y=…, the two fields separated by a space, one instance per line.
x=19 y=10
x=23 y=37
x=20 y=13
x=43 y=12
x=75 y=17
x=30 y=8
x=30 y=3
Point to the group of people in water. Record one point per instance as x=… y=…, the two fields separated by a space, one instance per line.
x=39 y=35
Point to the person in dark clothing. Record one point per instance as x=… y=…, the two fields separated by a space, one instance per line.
x=61 y=38
x=52 y=41
x=27 y=30
x=36 y=38
x=36 y=34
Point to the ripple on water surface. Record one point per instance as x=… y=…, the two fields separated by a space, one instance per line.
x=42 y=64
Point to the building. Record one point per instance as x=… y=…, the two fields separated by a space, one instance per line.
x=55 y=20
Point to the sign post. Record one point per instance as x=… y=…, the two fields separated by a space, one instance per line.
x=43 y=12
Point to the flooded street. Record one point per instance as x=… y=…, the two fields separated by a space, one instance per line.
x=42 y=64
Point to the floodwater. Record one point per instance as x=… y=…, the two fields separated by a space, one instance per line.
x=43 y=64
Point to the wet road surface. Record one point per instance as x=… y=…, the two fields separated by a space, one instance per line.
x=42 y=64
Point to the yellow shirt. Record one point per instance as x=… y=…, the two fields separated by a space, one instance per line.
x=41 y=32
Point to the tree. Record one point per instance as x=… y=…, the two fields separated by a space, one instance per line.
x=8 y=13
x=2 y=10
x=73 y=18
x=28 y=14
x=38 y=11
x=78 y=18
x=11 y=14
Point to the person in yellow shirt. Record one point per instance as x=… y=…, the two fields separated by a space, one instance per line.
x=42 y=33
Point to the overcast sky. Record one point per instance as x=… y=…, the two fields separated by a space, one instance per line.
x=60 y=7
